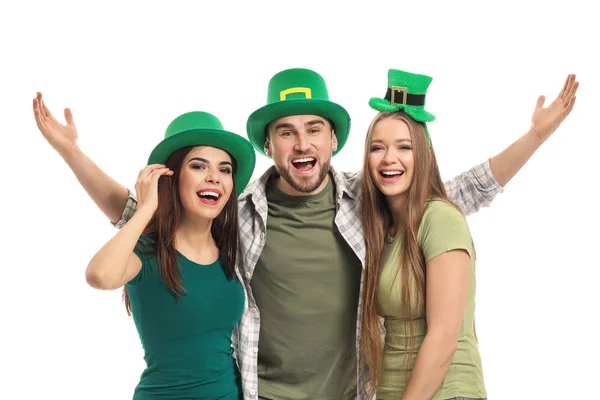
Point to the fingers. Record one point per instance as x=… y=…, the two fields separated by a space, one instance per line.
x=150 y=175
x=573 y=90
x=149 y=169
x=69 y=117
x=39 y=116
x=563 y=91
x=540 y=102
x=45 y=109
x=569 y=89
x=40 y=120
x=157 y=173
x=40 y=101
x=569 y=106
x=37 y=106
x=45 y=114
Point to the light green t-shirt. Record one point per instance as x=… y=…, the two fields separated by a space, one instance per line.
x=443 y=228
x=306 y=285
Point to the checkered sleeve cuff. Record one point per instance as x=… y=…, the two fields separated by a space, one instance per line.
x=129 y=210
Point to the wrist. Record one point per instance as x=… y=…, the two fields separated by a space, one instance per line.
x=144 y=212
x=535 y=136
x=70 y=153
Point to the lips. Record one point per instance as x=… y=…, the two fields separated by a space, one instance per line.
x=209 y=196
x=391 y=176
x=304 y=164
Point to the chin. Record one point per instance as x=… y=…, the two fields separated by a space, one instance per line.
x=211 y=214
x=206 y=214
x=306 y=180
x=309 y=185
x=392 y=192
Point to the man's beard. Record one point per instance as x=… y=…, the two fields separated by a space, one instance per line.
x=305 y=185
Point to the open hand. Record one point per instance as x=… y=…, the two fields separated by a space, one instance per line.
x=546 y=120
x=63 y=138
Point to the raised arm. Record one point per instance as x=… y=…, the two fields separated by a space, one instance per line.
x=116 y=263
x=544 y=122
x=109 y=196
x=478 y=187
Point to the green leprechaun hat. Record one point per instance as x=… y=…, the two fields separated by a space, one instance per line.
x=198 y=128
x=293 y=92
x=406 y=91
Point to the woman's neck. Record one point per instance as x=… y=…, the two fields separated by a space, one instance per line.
x=399 y=211
x=194 y=239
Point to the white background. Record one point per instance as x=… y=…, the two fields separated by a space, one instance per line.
x=128 y=68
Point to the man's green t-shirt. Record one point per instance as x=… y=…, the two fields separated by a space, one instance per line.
x=306 y=285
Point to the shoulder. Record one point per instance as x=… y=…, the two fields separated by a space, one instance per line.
x=443 y=222
x=437 y=209
x=257 y=186
x=145 y=245
x=443 y=228
x=145 y=250
x=350 y=182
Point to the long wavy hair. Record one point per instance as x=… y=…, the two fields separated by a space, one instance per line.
x=377 y=218
x=161 y=229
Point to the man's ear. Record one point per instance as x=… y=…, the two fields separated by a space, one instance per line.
x=334 y=142
x=267 y=148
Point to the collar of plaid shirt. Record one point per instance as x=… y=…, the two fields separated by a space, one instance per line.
x=253 y=210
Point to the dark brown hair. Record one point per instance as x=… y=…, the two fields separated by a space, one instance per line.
x=163 y=225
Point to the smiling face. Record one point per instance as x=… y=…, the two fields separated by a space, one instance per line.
x=205 y=182
x=301 y=147
x=391 y=158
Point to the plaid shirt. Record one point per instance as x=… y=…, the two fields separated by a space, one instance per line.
x=470 y=190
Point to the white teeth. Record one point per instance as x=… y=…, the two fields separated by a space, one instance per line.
x=307 y=159
x=209 y=193
x=391 y=173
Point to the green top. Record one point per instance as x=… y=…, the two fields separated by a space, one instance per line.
x=306 y=285
x=442 y=229
x=187 y=344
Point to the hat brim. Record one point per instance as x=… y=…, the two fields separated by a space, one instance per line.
x=259 y=119
x=237 y=147
x=416 y=113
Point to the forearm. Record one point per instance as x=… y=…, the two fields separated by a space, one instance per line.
x=505 y=165
x=108 y=267
x=431 y=365
x=108 y=195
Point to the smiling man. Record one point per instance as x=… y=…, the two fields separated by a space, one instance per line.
x=304 y=145
x=302 y=243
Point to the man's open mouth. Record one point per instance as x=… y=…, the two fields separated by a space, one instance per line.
x=304 y=163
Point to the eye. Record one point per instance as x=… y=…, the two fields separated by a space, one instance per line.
x=405 y=147
x=376 y=148
x=198 y=166
x=226 y=171
x=315 y=130
x=286 y=133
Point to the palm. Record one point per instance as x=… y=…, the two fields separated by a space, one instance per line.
x=61 y=137
x=546 y=120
